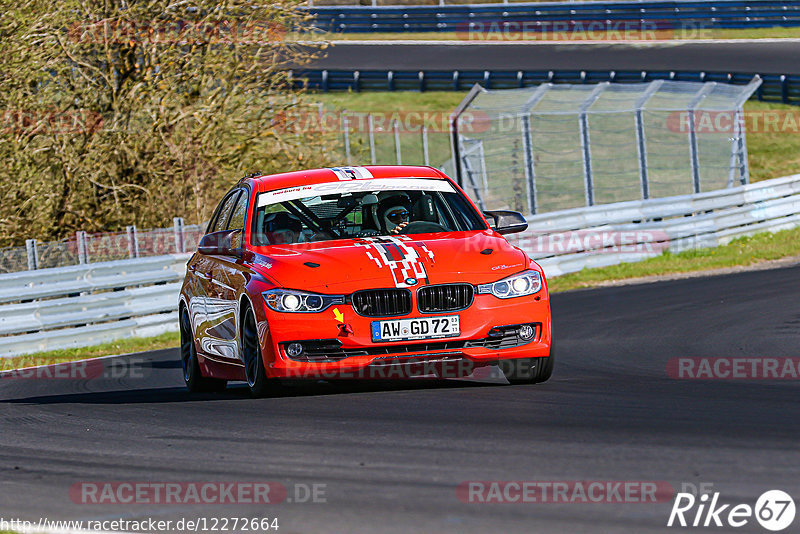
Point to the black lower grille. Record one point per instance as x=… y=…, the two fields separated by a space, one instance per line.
x=382 y=302
x=330 y=350
x=445 y=297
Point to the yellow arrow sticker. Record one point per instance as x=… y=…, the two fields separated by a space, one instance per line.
x=339 y=315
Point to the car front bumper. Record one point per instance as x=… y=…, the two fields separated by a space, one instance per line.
x=338 y=341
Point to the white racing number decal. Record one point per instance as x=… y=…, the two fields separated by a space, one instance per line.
x=351 y=173
x=403 y=257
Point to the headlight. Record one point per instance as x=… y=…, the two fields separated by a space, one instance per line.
x=286 y=300
x=519 y=285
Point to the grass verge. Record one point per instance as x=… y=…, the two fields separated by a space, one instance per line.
x=122 y=346
x=741 y=252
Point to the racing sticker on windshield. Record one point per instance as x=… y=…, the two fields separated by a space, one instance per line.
x=351 y=173
x=404 y=258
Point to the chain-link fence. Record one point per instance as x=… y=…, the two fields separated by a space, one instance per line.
x=394 y=138
x=83 y=247
x=555 y=147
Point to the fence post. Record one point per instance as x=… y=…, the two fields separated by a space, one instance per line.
x=371 y=127
x=177 y=228
x=641 y=142
x=744 y=166
x=530 y=171
x=455 y=142
x=583 y=123
x=740 y=138
x=425 y=155
x=346 y=127
x=693 y=153
x=133 y=242
x=33 y=254
x=397 y=142
x=83 y=248
x=527 y=146
x=641 y=147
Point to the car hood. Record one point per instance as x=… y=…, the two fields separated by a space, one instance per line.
x=346 y=265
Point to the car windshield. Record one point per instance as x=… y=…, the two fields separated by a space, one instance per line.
x=361 y=208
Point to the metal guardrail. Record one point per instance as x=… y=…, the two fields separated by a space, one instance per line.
x=84 y=247
x=598 y=236
x=84 y=305
x=89 y=304
x=775 y=87
x=457 y=18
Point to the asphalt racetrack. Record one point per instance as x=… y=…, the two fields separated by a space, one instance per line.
x=390 y=456
x=763 y=57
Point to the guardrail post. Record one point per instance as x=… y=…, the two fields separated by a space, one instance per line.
x=133 y=242
x=784 y=89
x=397 y=142
x=83 y=248
x=177 y=228
x=371 y=127
x=324 y=81
x=356 y=81
x=33 y=254
x=425 y=155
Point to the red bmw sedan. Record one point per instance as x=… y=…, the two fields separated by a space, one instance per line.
x=360 y=272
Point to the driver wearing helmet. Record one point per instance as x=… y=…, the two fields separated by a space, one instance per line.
x=394 y=213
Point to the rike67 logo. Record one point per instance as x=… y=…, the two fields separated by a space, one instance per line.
x=774 y=510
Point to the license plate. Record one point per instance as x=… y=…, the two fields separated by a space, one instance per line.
x=417 y=328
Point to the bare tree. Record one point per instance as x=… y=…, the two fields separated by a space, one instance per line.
x=120 y=112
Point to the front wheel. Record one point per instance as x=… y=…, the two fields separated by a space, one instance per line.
x=192 y=376
x=258 y=382
x=528 y=370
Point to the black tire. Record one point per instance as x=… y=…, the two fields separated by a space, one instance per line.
x=528 y=370
x=255 y=374
x=192 y=375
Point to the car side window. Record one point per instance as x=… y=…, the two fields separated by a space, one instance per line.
x=239 y=211
x=224 y=215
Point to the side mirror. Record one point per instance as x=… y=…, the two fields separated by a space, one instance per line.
x=506 y=222
x=223 y=243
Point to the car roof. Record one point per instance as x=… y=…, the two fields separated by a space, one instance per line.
x=283 y=180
